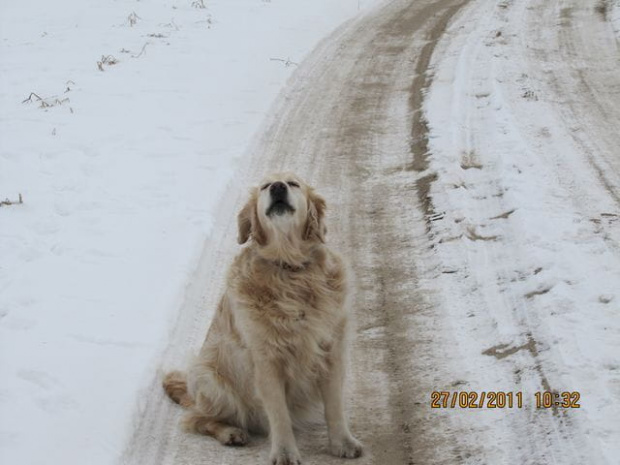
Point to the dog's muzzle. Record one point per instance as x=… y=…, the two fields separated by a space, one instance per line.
x=279 y=200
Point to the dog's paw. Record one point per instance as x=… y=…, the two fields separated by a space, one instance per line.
x=285 y=456
x=348 y=447
x=231 y=436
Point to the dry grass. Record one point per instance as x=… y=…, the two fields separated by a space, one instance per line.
x=6 y=202
x=47 y=102
x=142 y=51
x=286 y=62
x=132 y=19
x=106 y=60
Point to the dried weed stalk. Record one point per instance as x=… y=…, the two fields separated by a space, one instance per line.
x=7 y=202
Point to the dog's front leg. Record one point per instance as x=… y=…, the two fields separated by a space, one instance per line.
x=272 y=394
x=341 y=441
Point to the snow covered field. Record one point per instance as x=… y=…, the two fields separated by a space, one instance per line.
x=121 y=124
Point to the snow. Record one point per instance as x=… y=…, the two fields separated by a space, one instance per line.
x=526 y=234
x=614 y=16
x=146 y=113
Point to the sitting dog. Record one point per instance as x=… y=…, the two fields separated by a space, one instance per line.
x=276 y=346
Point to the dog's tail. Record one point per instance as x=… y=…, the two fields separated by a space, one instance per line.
x=175 y=385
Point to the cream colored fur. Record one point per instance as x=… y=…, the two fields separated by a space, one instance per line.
x=276 y=347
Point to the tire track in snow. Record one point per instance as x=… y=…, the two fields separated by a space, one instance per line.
x=523 y=223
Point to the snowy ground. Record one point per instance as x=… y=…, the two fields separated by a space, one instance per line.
x=614 y=16
x=138 y=117
x=529 y=221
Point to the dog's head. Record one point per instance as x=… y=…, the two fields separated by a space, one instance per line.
x=282 y=207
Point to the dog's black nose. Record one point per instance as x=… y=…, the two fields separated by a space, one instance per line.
x=277 y=189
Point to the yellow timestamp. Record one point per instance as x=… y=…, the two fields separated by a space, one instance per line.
x=550 y=399
x=475 y=399
x=502 y=399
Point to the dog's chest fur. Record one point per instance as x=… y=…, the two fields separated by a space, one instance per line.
x=293 y=317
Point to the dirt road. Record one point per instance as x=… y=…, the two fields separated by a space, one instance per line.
x=350 y=122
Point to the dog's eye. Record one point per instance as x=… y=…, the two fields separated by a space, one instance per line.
x=265 y=186
x=293 y=184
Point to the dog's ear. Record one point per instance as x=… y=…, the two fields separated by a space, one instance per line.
x=244 y=223
x=248 y=224
x=315 y=227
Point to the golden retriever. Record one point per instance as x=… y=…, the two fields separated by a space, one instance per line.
x=275 y=351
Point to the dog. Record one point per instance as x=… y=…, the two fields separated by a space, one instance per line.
x=275 y=352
